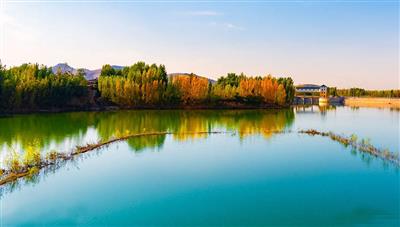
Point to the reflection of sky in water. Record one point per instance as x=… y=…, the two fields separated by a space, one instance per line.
x=379 y=125
x=290 y=179
x=219 y=179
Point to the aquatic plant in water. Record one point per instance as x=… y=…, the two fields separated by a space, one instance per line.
x=33 y=162
x=363 y=146
x=32 y=155
x=30 y=165
x=12 y=161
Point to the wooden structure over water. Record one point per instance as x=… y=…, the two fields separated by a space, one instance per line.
x=311 y=94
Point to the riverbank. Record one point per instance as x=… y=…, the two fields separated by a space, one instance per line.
x=223 y=105
x=372 y=102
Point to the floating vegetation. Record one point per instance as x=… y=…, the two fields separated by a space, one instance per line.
x=33 y=162
x=363 y=145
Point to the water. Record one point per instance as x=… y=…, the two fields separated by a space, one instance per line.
x=254 y=176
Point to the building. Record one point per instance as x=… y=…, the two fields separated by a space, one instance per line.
x=323 y=91
x=312 y=90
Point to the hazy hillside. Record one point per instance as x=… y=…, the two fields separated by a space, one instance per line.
x=64 y=67
x=94 y=74
x=187 y=74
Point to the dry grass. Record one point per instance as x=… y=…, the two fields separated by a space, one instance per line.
x=373 y=102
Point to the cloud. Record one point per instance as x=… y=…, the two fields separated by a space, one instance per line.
x=227 y=26
x=232 y=26
x=203 y=13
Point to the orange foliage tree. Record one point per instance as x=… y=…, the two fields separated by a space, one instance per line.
x=142 y=84
x=192 y=89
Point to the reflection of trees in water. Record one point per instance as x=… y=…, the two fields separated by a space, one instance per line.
x=33 y=179
x=140 y=143
x=257 y=122
x=57 y=128
x=44 y=129
x=245 y=122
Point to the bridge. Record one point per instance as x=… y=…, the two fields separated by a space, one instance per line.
x=311 y=94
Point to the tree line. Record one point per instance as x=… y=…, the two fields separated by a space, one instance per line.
x=31 y=87
x=142 y=84
x=360 y=92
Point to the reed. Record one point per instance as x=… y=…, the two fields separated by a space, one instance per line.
x=363 y=145
x=33 y=162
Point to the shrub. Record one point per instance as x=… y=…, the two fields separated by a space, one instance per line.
x=32 y=155
x=12 y=161
x=52 y=155
x=33 y=171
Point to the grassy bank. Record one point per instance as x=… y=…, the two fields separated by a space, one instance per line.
x=372 y=102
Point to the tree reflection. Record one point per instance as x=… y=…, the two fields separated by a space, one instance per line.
x=72 y=128
x=182 y=123
x=140 y=143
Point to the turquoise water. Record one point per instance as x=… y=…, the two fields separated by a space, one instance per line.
x=250 y=177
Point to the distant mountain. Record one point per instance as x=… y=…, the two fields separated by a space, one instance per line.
x=90 y=74
x=117 y=67
x=94 y=74
x=188 y=74
x=64 y=67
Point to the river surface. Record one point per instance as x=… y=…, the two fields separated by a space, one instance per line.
x=248 y=175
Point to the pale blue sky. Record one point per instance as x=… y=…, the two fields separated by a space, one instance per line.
x=341 y=44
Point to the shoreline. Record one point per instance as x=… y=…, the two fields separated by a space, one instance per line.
x=372 y=102
x=230 y=106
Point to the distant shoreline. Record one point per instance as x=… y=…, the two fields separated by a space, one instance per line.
x=348 y=101
x=219 y=106
x=372 y=102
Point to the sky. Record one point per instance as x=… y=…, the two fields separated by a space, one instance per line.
x=337 y=43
